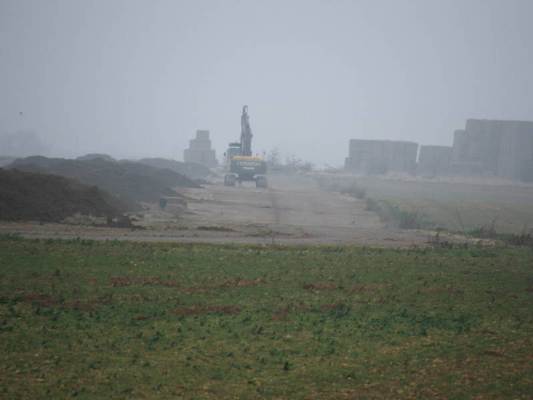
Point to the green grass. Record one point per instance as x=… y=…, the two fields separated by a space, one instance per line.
x=132 y=320
x=394 y=216
x=458 y=206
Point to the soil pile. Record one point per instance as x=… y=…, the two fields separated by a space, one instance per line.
x=50 y=198
x=4 y=160
x=190 y=170
x=130 y=181
x=93 y=156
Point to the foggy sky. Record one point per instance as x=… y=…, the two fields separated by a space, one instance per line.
x=137 y=77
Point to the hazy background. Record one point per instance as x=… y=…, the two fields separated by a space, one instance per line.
x=137 y=78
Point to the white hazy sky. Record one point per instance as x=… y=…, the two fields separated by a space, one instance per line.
x=138 y=77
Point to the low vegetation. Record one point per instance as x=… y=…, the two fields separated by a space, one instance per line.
x=477 y=208
x=390 y=213
x=459 y=206
x=395 y=216
x=135 y=320
x=520 y=239
x=354 y=190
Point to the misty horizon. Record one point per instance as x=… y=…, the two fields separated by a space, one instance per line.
x=137 y=79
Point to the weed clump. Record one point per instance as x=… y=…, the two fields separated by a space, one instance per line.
x=513 y=239
x=350 y=188
x=396 y=216
x=355 y=191
x=214 y=228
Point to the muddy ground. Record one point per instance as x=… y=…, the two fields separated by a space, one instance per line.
x=293 y=210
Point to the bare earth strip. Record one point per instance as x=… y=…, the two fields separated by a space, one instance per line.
x=293 y=210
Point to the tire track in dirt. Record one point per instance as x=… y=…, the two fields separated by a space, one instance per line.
x=275 y=205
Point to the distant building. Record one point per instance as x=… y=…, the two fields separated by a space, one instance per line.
x=434 y=160
x=200 y=151
x=381 y=156
x=494 y=148
x=484 y=148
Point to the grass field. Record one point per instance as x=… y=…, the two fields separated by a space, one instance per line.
x=130 y=320
x=458 y=206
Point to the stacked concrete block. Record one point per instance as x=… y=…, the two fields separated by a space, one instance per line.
x=366 y=156
x=485 y=147
x=484 y=139
x=434 y=160
x=200 y=151
x=401 y=156
x=459 y=148
x=381 y=156
x=515 y=159
x=494 y=148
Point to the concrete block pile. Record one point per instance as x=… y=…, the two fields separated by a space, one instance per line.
x=200 y=150
x=484 y=148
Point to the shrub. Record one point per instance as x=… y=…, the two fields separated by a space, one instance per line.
x=393 y=214
x=355 y=191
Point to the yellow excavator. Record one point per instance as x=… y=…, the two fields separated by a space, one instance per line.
x=242 y=165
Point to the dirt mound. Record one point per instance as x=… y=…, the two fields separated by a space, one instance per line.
x=4 y=160
x=95 y=156
x=131 y=181
x=50 y=198
x=190 y=170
